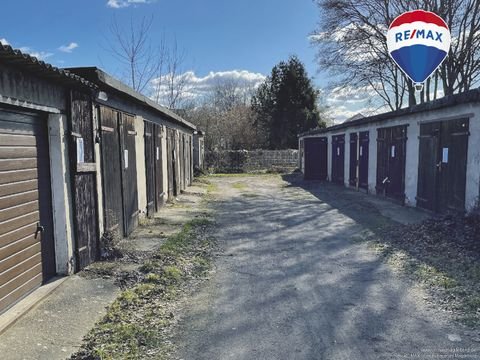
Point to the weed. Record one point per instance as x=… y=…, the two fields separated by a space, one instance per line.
x=239 y=186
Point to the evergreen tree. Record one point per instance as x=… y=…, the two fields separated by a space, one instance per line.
x=286 y=105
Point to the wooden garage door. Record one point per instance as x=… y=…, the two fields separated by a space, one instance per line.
x=26 y=236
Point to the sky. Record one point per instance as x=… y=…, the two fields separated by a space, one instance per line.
x=221 y=38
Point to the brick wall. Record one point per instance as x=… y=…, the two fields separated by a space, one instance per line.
x=237 y=161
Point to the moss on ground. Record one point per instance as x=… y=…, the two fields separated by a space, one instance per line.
x=136 y=324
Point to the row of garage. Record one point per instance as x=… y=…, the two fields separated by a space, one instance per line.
x=81 y=155
x=426 y=156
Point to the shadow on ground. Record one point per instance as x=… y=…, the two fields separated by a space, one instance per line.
x=292 y=285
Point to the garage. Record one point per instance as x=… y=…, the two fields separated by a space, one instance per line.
x=391 y=157
x=359 y=143
x=27 y=255
x=338 y=159
x=119 y=171
x=154 y=167
x=442 y=166
x=316 y=158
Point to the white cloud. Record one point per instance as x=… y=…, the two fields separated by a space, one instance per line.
x=118 y=4
x=196 y=87
x=40 y=55
x=68 y=48
x=4 y=41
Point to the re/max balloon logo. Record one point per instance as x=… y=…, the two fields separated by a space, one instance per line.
x=418 y=34
x=418 y=42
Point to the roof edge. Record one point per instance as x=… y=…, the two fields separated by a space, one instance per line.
x=467 y=97
x=113 y=83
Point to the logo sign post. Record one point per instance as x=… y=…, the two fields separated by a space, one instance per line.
x=418 y=42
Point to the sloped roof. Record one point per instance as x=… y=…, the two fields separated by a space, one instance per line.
x=100 y=77
x=470 y=96
x=16 y=58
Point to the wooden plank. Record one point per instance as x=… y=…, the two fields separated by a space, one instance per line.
x=16 y=211
x=107 y=128
x=18 y=199
x=18 y=234
x=18 y=222
x=86 y=167
x=18 y=175
x=19 y=256
x=18 y=269
x=19 y=164
x=17 y=152
x=19 y=187
x=23 y=272
x=20 y=292
x=17 y=140
x=18 y=245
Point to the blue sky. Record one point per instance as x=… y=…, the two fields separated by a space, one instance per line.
x=217 y=35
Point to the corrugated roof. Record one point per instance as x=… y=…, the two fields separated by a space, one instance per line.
x=451 y=100
x=14 y=57
x=99 y=76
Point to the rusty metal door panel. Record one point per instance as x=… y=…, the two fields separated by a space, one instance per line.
x=338 y=159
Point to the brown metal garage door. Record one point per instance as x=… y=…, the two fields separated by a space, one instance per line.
x=26 y=239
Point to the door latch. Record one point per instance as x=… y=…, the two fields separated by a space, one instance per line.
x=386 y=180
x=40 y=228
x=439 y=166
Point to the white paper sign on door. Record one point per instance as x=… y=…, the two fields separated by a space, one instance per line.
x=338 y=151
x=80 y=151
x=158 y=153
x=393 y=151
x=445 y=155
x=361 y=150
x=125 y=155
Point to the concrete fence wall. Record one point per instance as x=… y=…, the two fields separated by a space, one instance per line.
x=236 y=161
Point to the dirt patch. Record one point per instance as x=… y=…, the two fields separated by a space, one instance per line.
x=444 y=256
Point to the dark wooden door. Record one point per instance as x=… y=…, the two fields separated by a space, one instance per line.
x=443 y=165
x=315 y=152
x=338 y=159
x=111 y=170
x=172 y=191
x=391 y=156
x=27 y=254
x=353 y=159
x=84 y=179
x=150 y=167
x=129 y=176
x=363 y=159
x=159 y=190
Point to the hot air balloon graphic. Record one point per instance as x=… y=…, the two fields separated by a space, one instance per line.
x=418 y=41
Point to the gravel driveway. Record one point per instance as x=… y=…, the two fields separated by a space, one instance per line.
x=292 y=282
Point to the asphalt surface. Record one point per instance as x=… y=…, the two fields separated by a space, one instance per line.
x=292 y=282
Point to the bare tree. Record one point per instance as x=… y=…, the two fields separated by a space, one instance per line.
x=175 y=78
x=352 y=45
x=132 y=46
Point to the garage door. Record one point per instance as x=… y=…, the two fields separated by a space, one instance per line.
x=26 y=239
